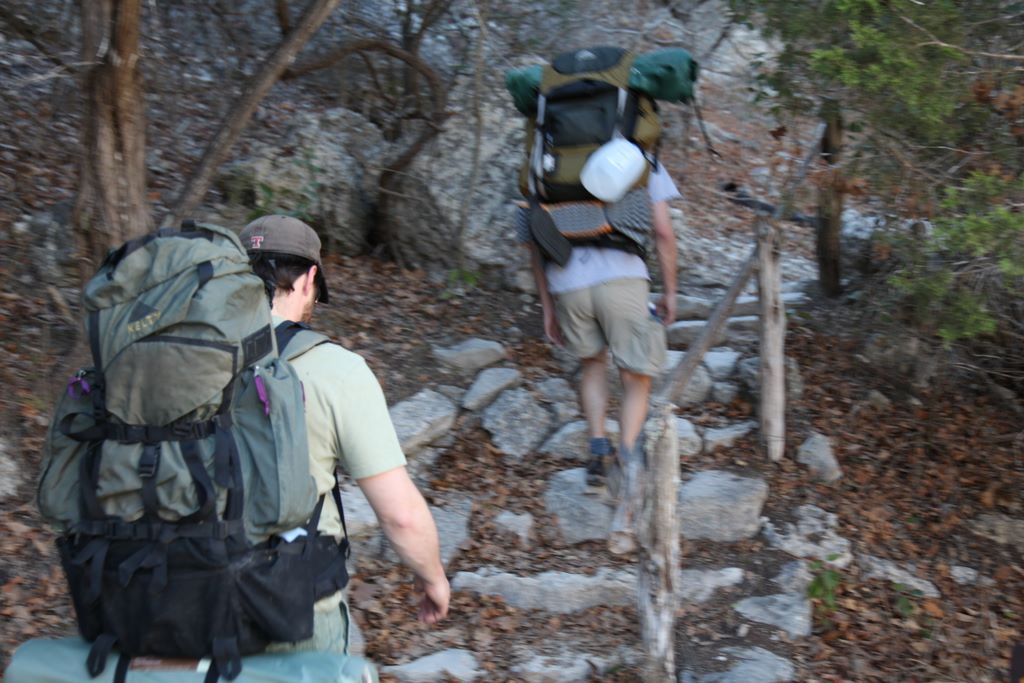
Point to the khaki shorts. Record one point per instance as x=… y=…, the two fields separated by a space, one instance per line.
x=613 y=314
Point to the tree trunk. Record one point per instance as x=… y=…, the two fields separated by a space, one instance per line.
x=773 y=334
x=830 y=204
x=111 y=205
x=311 y=20
x=659 y=551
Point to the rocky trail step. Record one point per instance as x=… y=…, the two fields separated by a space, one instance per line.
x=739 y=616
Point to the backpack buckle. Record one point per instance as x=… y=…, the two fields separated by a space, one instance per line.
x=149 y=461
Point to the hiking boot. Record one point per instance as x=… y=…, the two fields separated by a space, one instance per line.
x=601 y=456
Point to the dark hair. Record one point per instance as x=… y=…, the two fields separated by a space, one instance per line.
x=279 y=271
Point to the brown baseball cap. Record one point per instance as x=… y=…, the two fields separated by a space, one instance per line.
x=276 y=234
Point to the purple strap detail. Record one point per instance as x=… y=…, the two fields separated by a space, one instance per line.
x=261 y=391
x=78 y=387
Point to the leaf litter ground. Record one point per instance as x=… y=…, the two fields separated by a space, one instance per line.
x=914 y=476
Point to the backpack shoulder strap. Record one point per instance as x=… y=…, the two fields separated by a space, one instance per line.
x=294 y=339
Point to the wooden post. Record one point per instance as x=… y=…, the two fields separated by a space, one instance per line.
x=659 y=548
x=773 y=334
x=830 y=203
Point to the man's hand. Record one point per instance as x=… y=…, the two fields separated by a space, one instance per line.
x=552 y=330
x=434 y=599
x=667 y=309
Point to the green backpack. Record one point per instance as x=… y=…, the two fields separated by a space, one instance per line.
x=173 y=463
x=583 y=98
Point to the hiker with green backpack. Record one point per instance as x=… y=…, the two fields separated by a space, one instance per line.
x=348 y=424
x=596 y=198
x=189 y=471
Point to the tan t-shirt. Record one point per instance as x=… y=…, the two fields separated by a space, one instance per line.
x=347 y=420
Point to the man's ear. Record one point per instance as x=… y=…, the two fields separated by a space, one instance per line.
x=310 y=283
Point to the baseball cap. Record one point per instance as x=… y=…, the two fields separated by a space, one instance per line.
x=276 y=234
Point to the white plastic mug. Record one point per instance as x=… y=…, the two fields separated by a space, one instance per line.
x=612 y=169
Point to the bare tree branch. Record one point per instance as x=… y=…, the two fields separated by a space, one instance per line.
x=284 y=18
x=32 y=34
x=934 y=41
x=314 y=16
x=481 y=8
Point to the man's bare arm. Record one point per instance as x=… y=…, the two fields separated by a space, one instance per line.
x=547 y=302
x=407 y=523
x=665 y=245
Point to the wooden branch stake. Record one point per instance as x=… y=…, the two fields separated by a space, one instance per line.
x=773 y=334
x=695 y=353
x=659 y=549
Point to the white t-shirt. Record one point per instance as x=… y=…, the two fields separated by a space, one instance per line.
x=589 y=266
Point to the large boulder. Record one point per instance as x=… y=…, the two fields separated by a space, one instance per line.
x=433 y=194
x=323 y=169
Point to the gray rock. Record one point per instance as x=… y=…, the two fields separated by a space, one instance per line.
x=687 y=438
x=563 y=666
x=751 y=305
x=516 y=422
x=721 y=506
x=724 y=392
x=721 y=363
x=794 y=577
x=698 y=585
x=568 y=362
x=572 y=441
x=672 y=361
x=967 y=576
x=880 y=568
x=813 y=536
x=685 y=332
x=452 y=522
x=696 y=390
x=877 y=400
x=692 y=307
x=565 y=412
x=327 y=160
x=581 y=517
x=10 y=474
x=755 y=665
x=816 y=452
x=725 y=437
x=422 y=419
x=471 y=354
x=1002 y=529
x=489 y=384
x=742 y=324
x=435 y=668
x=360 y=519
x=556 y=390
x=963 y=575
x=452 y=392
x=558 y=592
x=519 y=524
x=749 y=369
x=420 y=467
x=788 y=611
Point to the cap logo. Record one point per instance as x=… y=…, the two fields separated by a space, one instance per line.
x=255 y=241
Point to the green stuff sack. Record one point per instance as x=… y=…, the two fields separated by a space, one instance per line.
x=668 y=75
x=174 y=463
